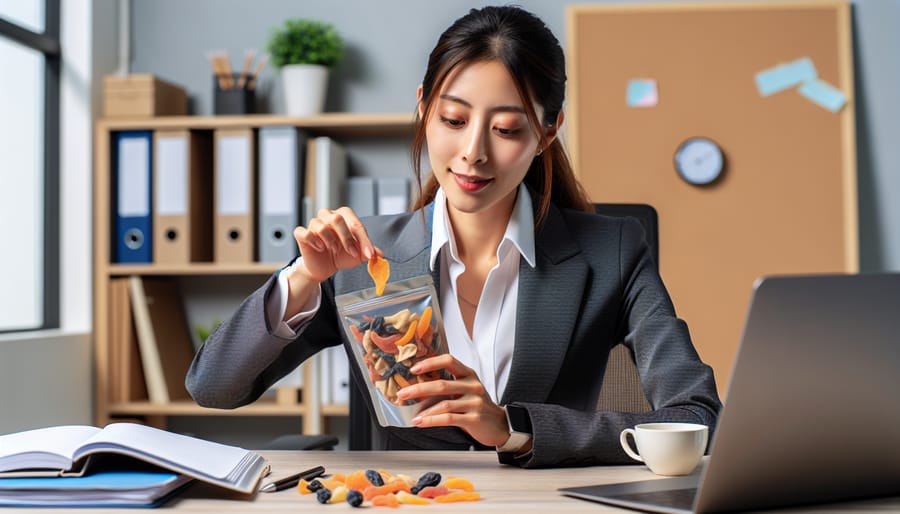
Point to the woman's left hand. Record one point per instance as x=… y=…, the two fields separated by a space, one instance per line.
x=469 y=406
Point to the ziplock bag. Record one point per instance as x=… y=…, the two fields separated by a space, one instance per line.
x=389 y=334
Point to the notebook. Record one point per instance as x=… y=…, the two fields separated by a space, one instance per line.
x=70 y=450
x=810 y=415
x=104 y=489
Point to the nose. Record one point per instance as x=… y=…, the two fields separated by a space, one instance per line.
x=475 y=151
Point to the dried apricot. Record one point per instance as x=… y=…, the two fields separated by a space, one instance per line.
x=405 y=497
x=385 y=500
x=379 y=270
x=459 y=483
x=458 y=497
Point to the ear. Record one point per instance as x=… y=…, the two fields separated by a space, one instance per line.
x=552 y=131
x=419 y=101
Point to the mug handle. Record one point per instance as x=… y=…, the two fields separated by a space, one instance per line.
x=623 y=439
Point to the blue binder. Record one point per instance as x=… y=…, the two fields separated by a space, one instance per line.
x=132 y=157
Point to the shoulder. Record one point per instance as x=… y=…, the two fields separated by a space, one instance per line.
x=590 y=228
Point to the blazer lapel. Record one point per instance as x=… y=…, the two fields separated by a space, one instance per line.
x=550 y=296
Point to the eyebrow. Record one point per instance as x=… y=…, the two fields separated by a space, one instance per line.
x=499 y=108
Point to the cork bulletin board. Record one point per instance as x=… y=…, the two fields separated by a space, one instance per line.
x=786 y=201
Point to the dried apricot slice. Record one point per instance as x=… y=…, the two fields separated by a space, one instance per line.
x=458 y=497
x=424 y=323
x=379 y=270
x=405 y=497
x=459 y=483
x=385 y=500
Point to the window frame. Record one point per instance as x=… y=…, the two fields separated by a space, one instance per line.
x=48 y=43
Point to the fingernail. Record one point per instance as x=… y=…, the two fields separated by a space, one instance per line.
x=417 y=420
x=368 y=252
x=402 y=394
x=415 y=369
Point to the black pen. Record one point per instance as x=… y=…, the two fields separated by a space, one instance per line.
x=291 y=481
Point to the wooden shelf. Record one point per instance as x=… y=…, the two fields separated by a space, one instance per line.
x=338 y=124
x=199 y=268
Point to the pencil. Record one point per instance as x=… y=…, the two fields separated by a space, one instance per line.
x=248 y=60
x=259 y=67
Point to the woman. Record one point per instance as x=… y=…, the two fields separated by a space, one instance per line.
x=535 y=289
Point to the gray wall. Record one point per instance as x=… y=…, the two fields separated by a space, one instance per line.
x=387 y=46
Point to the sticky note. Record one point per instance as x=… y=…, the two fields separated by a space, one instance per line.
x=824 y=94
x=642 y=93
x=785 y=76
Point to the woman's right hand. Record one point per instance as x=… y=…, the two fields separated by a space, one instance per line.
x=332 y=241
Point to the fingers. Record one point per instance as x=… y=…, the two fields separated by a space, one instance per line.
x=339 y=231
x=443 y=361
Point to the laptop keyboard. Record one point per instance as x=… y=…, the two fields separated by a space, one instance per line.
x=677 y=498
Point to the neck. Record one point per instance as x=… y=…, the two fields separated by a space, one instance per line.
x=479 y=234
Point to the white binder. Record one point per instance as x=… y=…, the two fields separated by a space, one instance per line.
x=281 y=159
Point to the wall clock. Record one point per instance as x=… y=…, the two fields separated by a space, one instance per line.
x=699 y=160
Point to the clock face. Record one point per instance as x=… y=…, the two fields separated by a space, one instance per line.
x=699 y=161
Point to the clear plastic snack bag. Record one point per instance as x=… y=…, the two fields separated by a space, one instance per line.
x=389 y=334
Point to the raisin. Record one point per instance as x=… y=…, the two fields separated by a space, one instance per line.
x=323 y=495
x=314 y=486
x=428 y=479
x=354 y=497
x=374 y=477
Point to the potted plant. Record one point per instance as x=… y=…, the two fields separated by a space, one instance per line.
x=304 y=50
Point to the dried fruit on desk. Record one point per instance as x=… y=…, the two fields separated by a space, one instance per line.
x=458 y=497
x=374 y=477
x=459 y=483
x=405 y=497
x=323 y=495
x=357 y=480
x=354 y=498
x=339 y=495
x=429 y=478
x=433 y=491
x=379 y=270
x=385 y=500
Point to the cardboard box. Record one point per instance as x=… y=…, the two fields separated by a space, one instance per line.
x=141 y=95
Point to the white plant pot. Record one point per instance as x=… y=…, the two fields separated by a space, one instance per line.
x=304 y=88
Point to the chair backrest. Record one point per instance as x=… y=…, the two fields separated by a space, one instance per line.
x=621 y=390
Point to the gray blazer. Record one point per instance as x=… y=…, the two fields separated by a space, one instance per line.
x=594 y=285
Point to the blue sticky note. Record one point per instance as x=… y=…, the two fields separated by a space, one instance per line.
x=642 y=93
x=785 y=76
x=824 y=94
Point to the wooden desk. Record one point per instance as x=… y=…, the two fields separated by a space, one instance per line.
x=504 y=489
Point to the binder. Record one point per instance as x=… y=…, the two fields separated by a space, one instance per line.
x=325 y=176
x=127 y=382
x=235 y=192
x=182 y=196
x=281 y=160
x=163 y=337
x=132 y=217
x=393 y=195
x=361 y=196
x=340 y=376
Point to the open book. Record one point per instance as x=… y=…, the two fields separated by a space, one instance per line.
x=67 y=450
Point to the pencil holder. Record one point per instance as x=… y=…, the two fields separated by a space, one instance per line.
x=232 y=96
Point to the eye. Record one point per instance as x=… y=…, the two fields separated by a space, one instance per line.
x=506 y=132
x=452 y=122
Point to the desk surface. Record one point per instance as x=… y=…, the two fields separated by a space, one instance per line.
x=503 y=488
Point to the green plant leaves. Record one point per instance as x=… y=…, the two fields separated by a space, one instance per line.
x=302 y=41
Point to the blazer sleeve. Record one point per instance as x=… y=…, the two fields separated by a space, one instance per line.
x=242 y=358
x=678 y=385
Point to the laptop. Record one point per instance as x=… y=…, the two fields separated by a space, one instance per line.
x=812 y=412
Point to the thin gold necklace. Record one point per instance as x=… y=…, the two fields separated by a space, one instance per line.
x=475 y=305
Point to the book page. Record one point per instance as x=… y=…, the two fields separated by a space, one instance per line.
x=50 y=448
x=174 y=451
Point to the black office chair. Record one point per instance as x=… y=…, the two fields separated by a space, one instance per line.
x=621 y=390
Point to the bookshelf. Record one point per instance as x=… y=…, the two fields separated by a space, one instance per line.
x=289 y=402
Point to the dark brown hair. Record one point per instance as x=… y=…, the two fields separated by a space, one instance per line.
x=531 y=53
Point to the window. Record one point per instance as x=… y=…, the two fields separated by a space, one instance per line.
x=29 y=164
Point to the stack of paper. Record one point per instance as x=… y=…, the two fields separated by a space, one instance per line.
x=105 y=489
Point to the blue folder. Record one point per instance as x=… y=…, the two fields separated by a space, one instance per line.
x=104 y=489
x=133 y=192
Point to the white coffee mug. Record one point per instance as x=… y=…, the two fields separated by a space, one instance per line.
x=667 y=448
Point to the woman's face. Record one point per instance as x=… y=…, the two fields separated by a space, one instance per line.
x=480 y=141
